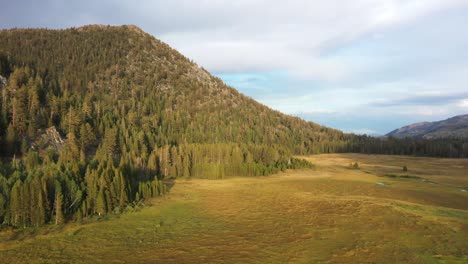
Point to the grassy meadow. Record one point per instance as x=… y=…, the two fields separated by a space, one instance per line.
x=333 y=213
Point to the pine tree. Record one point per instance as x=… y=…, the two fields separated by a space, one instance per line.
x=153 y=163
x=3 y=207
x=11 y=139
x=101 y=205
x=16 y=204
x=123 y=199
x=71 y=151
x=87 y=136
x=37 y=203
x=40 y=212
x=19 y=111
x=27 y=199
x=58 y=204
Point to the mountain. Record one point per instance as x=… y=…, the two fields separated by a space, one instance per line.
x=154 y=85
x=94 y=119
x=454 y=127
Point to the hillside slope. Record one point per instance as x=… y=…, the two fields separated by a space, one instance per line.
x=93 y=119
x=153 y=84
x=454 y=127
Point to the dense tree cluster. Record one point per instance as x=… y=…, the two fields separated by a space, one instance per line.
x=104 y=74
x=437 y=147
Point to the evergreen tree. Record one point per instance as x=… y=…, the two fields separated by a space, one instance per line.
x=16 y=204
x=58 y=204
x=11 y=139
x=101 y=204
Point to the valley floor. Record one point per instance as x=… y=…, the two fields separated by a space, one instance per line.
x=329 y=214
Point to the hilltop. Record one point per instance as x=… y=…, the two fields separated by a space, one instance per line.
x=123 y=64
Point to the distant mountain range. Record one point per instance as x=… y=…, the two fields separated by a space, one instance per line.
x=454 y=127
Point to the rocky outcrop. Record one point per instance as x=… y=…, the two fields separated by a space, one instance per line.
x=48 y=138
x=3 y=82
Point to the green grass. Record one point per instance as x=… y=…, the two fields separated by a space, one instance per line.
x=401 y=176
x=452 y=214
x=328 y=214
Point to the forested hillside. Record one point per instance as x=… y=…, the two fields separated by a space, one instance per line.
x=454 y=127
x=94 y=118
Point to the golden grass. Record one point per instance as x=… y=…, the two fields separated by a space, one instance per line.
x=329 y=214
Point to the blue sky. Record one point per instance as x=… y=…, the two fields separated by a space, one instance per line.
x=363 y=66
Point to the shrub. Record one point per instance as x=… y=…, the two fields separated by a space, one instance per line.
x=354 y=165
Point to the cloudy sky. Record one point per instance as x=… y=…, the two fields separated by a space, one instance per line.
x=363 y=66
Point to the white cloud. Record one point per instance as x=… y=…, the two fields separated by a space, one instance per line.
x=363 y=131
x=463 y=103
x=244 y=35
x=428 y=111
x=408 y=63
x=293 y=36
x=345 y=54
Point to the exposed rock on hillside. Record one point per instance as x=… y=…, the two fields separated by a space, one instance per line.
x=48 y=138
x=3 y=81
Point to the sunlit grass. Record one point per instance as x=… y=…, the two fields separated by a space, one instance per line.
x=329 y=214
